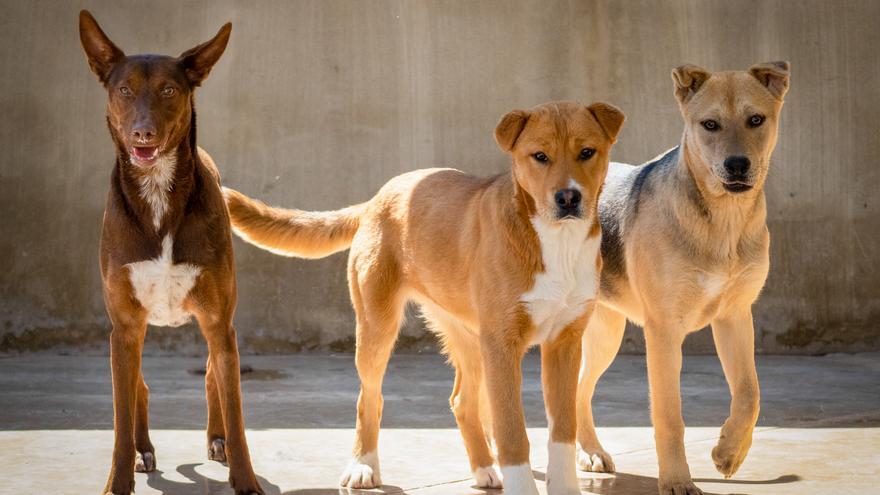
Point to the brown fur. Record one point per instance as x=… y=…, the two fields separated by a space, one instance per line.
x=465 y=248
x=693 y=252
x=194 y=217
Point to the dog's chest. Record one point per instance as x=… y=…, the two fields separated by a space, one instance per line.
x=161 y=286
x=569 y=280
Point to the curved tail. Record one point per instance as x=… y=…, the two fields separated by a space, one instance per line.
x=305 y=234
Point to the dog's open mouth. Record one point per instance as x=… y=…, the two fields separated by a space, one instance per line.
x=145 y=154
x=737 y=186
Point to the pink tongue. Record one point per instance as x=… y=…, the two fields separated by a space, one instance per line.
x=144 y=153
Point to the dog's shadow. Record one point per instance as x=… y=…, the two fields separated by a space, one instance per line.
x=634 y=484
x=198 y=484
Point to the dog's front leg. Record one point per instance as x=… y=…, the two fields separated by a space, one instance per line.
x=734 y=337
x=223 y=353
x=503 y=348
x=560 y=360
x=663 y=342
x=126 y=343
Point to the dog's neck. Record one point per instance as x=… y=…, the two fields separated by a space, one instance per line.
x=721 y=220
x=156 y=195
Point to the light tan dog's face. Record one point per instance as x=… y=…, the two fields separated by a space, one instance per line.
x=731 y=119
x=560 y=155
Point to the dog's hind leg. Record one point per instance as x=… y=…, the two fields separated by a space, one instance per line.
x=463 y=349
x=735 y=341
x=601 y=341
x=145 y=458
x=378 y=304
x=216 y=428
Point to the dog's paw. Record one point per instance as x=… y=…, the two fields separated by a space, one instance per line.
x=362 y=472
x=487 y=477
x=730 y=453
x=518 y=480
x=561 y=469
x=595 y=461
x=679 y=488
x=144 y=462
x=217 y=450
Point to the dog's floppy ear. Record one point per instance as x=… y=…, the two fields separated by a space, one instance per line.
x=774 y=77
x=198 y=61
x=509 y=129
x=609 y=117
x=101 y=53
x=688 y=79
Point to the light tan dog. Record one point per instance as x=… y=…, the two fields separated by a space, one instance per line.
x=497 y=264
x=685 y=244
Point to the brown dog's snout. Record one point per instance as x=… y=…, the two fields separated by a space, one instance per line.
x=144 y=132
x=568 y=199
x=737 y=166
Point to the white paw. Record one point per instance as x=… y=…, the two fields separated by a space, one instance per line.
x=595 y=461
x=487 y=477
x=362 y=472
x=518 y=480
x=561 y=472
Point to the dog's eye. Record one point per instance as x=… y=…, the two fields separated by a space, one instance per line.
x=125 y=91
x=168 y=92
x=587 y=153
x=756 y=120
x=541 y=157
x=710 y=125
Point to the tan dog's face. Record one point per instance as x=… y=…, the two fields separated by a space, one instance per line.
x=731 y=119
x=560 y=155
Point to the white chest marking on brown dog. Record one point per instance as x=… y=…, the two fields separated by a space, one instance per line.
x=161 y=286
x=569 y=278
x=155 y=184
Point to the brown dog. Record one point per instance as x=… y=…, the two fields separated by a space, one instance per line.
x=166 y=248
x=685 y=244
x=497 y=264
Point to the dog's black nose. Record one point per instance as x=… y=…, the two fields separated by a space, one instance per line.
x=568 y=198
x=737 y=166
x=143 y=132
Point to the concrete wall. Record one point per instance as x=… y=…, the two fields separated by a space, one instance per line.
x=317 y=103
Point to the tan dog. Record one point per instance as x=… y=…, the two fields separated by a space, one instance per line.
x=685 y=244
x=498 y=264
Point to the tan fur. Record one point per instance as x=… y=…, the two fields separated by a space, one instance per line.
x=695 y=253
x=464 y=248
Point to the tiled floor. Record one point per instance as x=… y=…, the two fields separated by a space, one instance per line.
x=818 y=431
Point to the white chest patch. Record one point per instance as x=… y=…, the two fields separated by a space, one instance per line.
x=155 y=184
x=569 y=279
x=161 y=286
x=712 y=284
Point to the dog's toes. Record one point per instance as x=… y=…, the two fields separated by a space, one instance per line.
x=487 y=477
x=680 y=488
x=360 y=475
x=217 y=450
x=729 y=454
x=144 y=462
x=595 y=461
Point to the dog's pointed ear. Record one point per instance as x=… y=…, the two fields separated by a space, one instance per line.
x=509 y=128
x=198 y=61
x=774 y=76
x=101 y=53
x=609 y=117
x=688 y=79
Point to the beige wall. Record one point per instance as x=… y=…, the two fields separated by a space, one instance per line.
x=317 y=103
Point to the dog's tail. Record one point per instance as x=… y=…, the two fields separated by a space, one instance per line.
x=304 y=234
